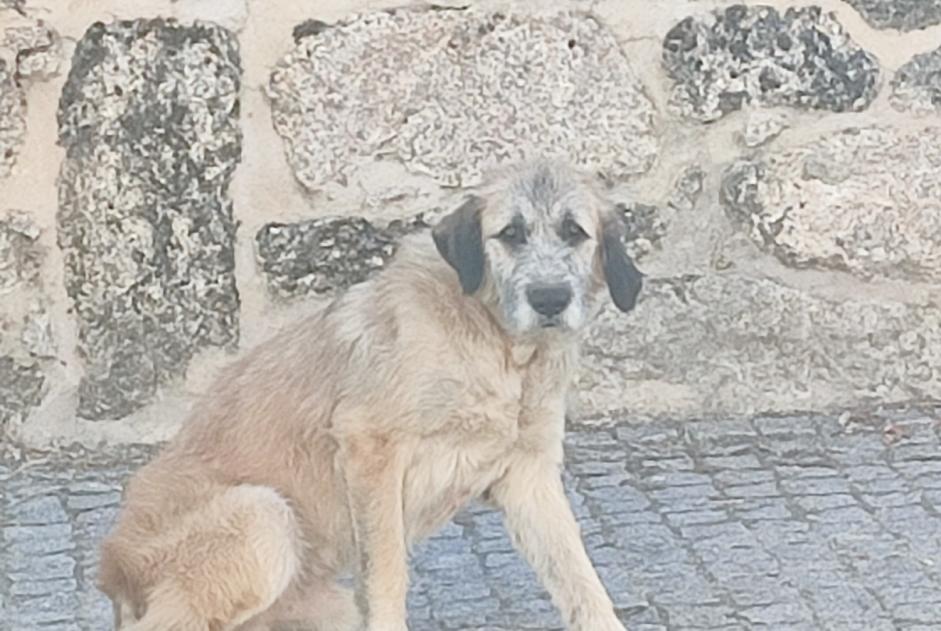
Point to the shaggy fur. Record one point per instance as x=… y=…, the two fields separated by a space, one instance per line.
x=366 y=426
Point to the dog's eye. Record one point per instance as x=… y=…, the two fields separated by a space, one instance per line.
x=572 y=232
x=513 y=234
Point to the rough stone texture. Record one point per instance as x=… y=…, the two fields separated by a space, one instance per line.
x=728 y=344
x=646 y=224
x=916 y=87
x=687 y=189
x=645 y=227
x=762 y=126
x=325 y=255
x=21 y=388
x=903 y=15
x=12 y=119
x=149 y=119
x=20 y=253
x=798 y=522
x=864 y=200
x=29 y=45
x=453 y=92
x=740 y=55
x=25 y=331
x=29 y=50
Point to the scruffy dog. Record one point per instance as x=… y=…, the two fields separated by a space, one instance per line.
x=366 y=426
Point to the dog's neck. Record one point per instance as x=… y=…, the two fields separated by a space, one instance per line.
x=522 y=353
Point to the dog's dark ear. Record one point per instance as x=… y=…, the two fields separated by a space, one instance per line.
x=460 y=242
x=623 y=278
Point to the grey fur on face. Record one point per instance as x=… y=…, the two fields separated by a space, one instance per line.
x=535 y=245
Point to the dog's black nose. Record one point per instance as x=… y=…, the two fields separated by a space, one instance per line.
x=549 y=300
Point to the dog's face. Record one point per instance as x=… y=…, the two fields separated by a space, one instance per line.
x=537 y=247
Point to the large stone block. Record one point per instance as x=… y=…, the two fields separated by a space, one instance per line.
x=864 y=200
x=903 y=15
x=916 y=86
x=149 y=120
x=755 y=55
x=732 y=345
x=321 y=256
x=452 y=92
x=12 y=119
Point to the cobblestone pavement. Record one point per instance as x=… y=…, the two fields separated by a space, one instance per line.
x=777 y=523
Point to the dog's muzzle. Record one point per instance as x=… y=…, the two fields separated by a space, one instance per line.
x=549 y=301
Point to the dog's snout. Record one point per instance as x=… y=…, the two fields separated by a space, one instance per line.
x=549 y=300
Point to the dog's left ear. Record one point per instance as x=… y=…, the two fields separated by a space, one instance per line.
x=459 y=240
x=623 y=278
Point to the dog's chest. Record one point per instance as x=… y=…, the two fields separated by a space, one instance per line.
x=450 y=469
x=444 y=477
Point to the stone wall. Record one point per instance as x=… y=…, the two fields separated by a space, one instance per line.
x=179 y=177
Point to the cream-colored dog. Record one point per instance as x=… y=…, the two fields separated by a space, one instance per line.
x=366 y=426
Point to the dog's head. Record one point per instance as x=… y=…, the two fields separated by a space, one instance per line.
x=538 y=246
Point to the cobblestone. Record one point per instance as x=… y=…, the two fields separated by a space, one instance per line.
x=777 y=523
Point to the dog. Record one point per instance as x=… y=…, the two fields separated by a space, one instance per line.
x=366 y=426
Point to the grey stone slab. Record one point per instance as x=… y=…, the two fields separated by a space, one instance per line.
x=88 y=502
x=149 y=120
x=42 y=509
x=742 y=55
x=445 y=109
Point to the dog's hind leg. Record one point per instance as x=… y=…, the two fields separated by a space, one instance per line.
x=224 y=564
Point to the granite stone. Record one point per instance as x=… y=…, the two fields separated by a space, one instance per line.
x=12 y=119
x=321 y=256
x=902 y=15
x=149 y=120
x=862 y=200
x=916 y=86
x=457 y=91
x=755 y=55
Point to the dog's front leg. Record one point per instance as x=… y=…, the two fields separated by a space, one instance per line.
x=374 y=477
x=542 y=526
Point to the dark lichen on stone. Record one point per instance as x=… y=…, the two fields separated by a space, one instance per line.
x=756 y=55
x=149 y=120
x=902 y=15
x=321 y=256
x=308 y=28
